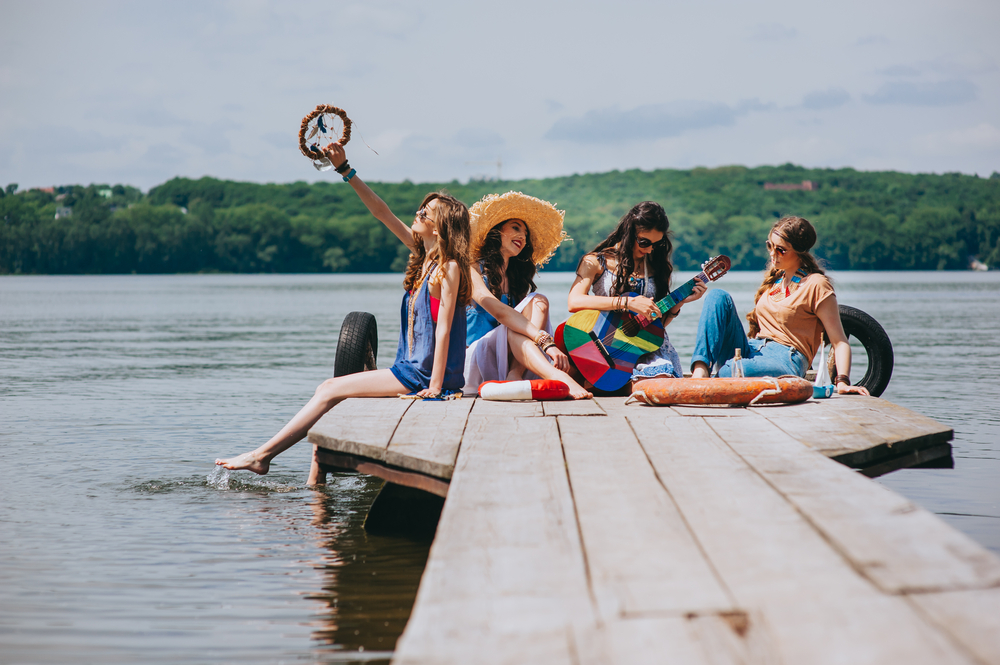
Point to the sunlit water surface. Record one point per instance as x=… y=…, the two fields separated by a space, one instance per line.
x=121 y=542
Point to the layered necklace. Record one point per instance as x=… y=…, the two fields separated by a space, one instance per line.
x=638 y=284
x=780 y=291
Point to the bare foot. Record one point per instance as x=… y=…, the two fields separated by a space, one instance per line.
x=246 y=461
x=576 y=391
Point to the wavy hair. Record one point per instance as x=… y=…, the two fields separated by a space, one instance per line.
x=645 y=216
x=801 y=235
x=520 y=269
x=452 y=245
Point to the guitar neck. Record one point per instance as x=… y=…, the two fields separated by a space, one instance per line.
x=680 y=293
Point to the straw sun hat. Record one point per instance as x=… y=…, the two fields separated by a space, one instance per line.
x=544 y=222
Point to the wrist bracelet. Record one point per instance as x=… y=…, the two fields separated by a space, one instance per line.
x=543 y=340
x=841 y=378
x=343 y=168
x=347 y=178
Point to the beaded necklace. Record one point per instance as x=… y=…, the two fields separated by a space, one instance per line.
x=778 y=294
x=638 y=284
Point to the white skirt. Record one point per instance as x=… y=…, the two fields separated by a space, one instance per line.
x=487 y=358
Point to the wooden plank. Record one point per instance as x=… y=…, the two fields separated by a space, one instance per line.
x=428 y=437
x=972 y=618
x=941 y=452
x=332 y=461
x=360 y=426
x=894 y=543
x=486 y=408
x=817 y=608
x=823 y=429
x=572 y=407
x=505 y=581
x=733 y=638
x=617 y=406
x=707 y=411
x=640 y=554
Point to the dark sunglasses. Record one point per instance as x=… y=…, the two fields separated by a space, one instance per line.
x=771 y=247
x=646 y=243
x=422 y=215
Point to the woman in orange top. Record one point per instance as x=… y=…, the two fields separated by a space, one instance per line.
x=793 y=306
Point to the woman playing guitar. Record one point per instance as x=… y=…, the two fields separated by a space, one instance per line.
x=634 y=258
x=794 y=305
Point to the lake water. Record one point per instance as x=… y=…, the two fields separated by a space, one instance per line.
x=121 y=542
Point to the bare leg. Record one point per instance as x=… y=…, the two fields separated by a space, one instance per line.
x=379 y=383
x=699 y=370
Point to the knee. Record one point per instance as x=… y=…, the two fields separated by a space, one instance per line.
x=540 y=304
x=718 y=298
x=326 y=389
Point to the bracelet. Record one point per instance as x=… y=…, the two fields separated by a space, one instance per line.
x=343 y=168
x=543 y=340
x=347 y=178
x=841 y=378
x=671 y=315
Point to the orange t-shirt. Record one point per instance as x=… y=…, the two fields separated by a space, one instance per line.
x=793 y=321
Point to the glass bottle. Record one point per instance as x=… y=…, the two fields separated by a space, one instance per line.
x=738 y=365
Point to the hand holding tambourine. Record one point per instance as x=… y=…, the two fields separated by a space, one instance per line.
x=323 y=126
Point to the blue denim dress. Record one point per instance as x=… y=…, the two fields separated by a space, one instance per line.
x=413 y=367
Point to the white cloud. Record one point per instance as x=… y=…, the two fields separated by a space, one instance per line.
x=982 y=138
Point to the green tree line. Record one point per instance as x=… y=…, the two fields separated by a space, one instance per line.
x=865 y=220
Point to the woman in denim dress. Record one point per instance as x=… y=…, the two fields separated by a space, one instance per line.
x=431 y=355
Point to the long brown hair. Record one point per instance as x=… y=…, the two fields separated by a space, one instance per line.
x=452 y=245
x=645 y=216
x=520 y=269
x=801 y=235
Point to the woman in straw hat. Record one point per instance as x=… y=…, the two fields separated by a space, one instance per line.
x=634 y=258
x=431 y=355
x=794 y=305
x=507 y=326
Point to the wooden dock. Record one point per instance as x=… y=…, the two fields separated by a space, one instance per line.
x=599 y=532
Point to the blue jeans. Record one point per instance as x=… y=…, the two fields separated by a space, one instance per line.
x=720 y=333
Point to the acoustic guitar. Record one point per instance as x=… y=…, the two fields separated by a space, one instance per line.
x=605 y=346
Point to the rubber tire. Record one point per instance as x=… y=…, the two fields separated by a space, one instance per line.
x=357 y=347
x=873 y=337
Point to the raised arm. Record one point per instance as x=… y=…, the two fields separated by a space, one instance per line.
x=829 y=315
x=335 y=152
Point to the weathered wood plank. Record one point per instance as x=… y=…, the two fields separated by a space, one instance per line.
x=641 y=556
x=896 y=544
x=818 y=426
x=727 y=639
x=428 y=437
x=817 y=608
x=485 y=408
x=617 y=406
x=709 y=411
x=333 y=461
x=573 y=407
x=359 y=426
x=971 y=617
x=505 y=581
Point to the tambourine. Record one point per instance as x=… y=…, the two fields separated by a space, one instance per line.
x=319 y=130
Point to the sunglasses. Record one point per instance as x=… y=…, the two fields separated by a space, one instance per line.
x=646 y=243
x=423 y=217
x=771 y=247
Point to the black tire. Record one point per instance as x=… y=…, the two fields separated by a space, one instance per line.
x=873 y=337
x=357 y=347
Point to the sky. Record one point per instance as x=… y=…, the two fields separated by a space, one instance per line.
x=140 y=92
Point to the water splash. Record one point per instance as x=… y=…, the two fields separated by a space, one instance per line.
x=219 y=478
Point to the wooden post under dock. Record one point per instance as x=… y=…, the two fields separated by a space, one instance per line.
x=599 y=532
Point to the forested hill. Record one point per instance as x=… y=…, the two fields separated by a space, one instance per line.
x=865 y=220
